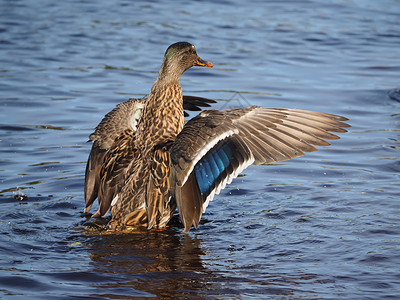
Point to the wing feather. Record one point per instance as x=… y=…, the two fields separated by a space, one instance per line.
x=214 y=147
x=111 y=128
x=115 y=170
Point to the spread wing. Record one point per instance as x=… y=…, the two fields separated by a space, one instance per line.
x=193 y=103
x=122 y=120
x=214 y=147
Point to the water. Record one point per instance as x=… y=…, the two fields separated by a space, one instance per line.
x=322 y=226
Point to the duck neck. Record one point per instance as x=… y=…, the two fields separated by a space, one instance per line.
x=170 y=71
x=162 y=118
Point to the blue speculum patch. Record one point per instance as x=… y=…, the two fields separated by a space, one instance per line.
x=211 y=166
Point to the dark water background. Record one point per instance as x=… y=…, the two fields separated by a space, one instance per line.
x=322 y=226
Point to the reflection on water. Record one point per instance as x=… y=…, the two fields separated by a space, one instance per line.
x=169 y=264
x=162 y=263
x=322 y=226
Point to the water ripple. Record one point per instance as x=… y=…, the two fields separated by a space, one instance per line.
x=319 y=226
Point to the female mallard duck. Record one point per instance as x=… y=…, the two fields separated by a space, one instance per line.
x=145 y=160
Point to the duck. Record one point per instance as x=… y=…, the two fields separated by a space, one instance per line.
x=147 y=162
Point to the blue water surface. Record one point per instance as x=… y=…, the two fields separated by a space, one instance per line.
x=325 y=225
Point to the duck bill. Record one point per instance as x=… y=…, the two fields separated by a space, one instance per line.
x=203 y=63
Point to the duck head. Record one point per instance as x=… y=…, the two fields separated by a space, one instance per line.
x=177 y=59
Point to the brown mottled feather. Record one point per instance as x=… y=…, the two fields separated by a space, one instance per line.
x=157 y=200
x=114 y=171
x=147 y=183
x=144 y=158
x=113 y=125
x=92 y=175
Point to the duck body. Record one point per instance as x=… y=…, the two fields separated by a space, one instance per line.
x=148 y=184
x=129 y=166
x=145 y=161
